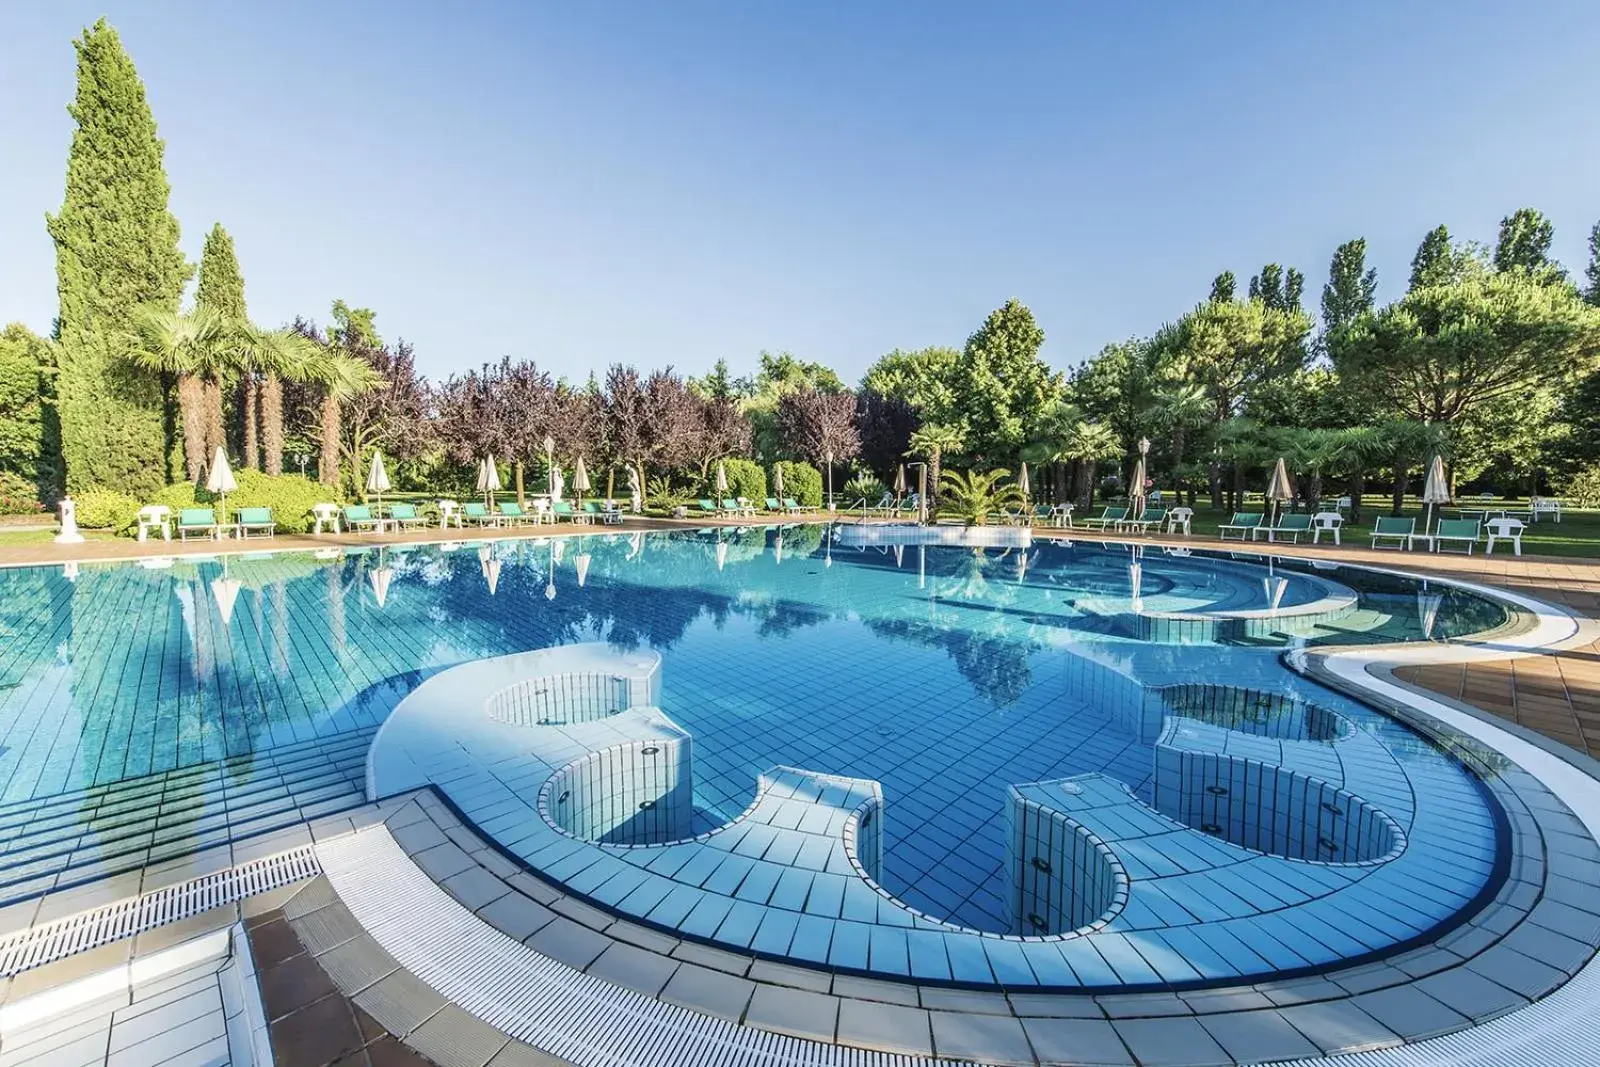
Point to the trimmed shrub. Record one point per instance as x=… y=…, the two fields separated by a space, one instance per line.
x=106 y=509
x=801 y=481
x=18 y=495
x=288 y=495
x=1583 y=488
x=745 y=478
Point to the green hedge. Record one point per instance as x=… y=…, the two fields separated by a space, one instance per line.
x=801 y=481
x=106 y=509
x=745 y=478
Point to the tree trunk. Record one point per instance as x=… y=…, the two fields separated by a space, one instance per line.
x=1216 y=484
x=1086 y=490
x=934 y=461
x=1400 y=479
x=252 y=420
x=215 y=431
x=1236 y=492
x=1061 y=483
x=1358 y=488
x=272 y=423
x=191 y=404
x=328 y=460
x=1314 y=493
x=520 y=498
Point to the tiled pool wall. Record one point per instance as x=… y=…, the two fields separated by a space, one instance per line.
x=1181 y=629
x=853 y=534
x=564 y=698
x=1251 y=711
x=1063 y=877
x=1271 y=809
x=636 y=793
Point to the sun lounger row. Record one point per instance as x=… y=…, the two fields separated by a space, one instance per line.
x=743 y=508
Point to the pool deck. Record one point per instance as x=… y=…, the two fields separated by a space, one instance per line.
x=365 y=953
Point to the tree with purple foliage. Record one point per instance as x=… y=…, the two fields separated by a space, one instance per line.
x=724 y=430
x=819 y=426
x=885 y=425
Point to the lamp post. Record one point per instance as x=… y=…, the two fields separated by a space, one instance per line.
x=922 y=491
x=549 y=467
x=301 y=458
x=827 y=460
x=1144 y=467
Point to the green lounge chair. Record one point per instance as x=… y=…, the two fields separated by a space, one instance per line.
x=406 y=515
x=1394 y=528
x=708 y=507
x=1043 y=514
x=1107 y=518
x=359 y=517
x=477 y=513
x=1456 y=532
x=1151 y=517
x=1243 y=523
x=563 y=510
x=255 y=522
x=593 y=509
x=198 y=521
x=511 y=514
x=773 y=505
x=1291 y=526
x=731 y=506
x=792 y=508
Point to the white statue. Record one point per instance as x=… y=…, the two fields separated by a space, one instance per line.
x=633 y=490
x=69 y=534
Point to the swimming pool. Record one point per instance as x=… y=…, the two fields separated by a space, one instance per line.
x=150 y=710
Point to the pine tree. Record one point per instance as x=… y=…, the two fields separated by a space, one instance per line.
x=1280 y=290
x=116 y=251
x=1352 y=286
x=1525 y=237
x=221 y=291
x=1434 y=261
x=1222 y=287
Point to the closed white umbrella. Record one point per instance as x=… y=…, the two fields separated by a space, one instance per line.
x=1434 y=491
x=777 y=483
x=378 y=482
x=722 y=479
x=900 y=481
x=1279 y=488
x=1022 y=482
x=1136 y=483
x=220 y=481
x=580 y=480
x=489 y=479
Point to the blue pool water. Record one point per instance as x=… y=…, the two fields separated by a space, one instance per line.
x=234 y=697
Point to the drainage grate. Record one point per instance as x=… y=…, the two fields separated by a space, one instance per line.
x=100 y=926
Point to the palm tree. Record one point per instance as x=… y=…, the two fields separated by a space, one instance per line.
x=1179 y=410
x=1086 y=444
x=934 y=442
x=340 y=376
x=184 y=345
x=1357 y=450
x=974 y=494
x=273 y=355
x=1044 y=448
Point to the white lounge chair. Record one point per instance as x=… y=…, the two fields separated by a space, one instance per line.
x=1505 y=529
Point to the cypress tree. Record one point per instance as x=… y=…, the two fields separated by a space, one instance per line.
x=1592 y=271
x=1352 y=286
x=221 y=290
x=1222 y=287
x=1525 y=237
x=1433 y=264
x=116 y=251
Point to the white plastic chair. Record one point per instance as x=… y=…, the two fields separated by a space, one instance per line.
x=155 y=517
x=325 y=513
x=449 y=514
x=1505 y=529
x=1545 y=505
x=1180 y=517
x=1326 y=522
x=1342 y=505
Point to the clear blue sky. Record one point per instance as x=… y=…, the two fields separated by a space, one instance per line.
x=673 y=182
